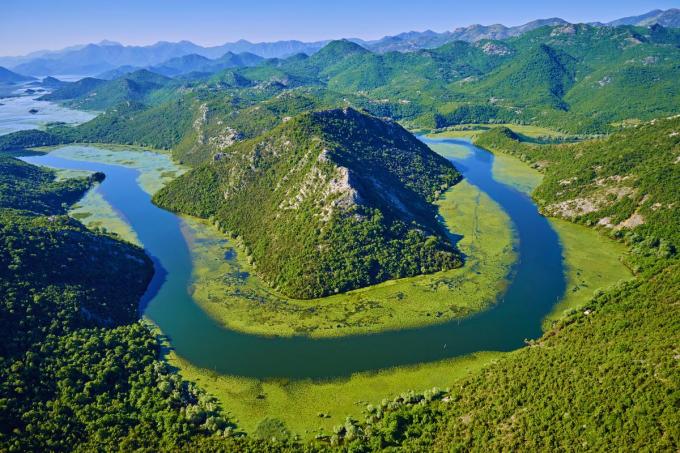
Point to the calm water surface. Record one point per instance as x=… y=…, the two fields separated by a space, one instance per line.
x=15 y=116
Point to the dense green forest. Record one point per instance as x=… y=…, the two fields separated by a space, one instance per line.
x=78 y=369
x=346 y=184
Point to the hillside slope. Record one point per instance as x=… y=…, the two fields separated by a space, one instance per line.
x=7 y=76
x=327 y=202
x=606 y=376
x=97 y=94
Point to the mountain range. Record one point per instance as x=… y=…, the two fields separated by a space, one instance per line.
x=94 y=59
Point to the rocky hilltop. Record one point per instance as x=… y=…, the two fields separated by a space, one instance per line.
x=327 y=202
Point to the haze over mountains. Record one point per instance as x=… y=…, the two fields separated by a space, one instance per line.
x=172 y=59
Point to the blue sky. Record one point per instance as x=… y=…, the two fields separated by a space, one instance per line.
x=28 y=25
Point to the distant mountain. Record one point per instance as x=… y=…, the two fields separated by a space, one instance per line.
x=74 y=90
x=669 y=19
x=277 y=49
x=118 y=72
x=97 y=94
x=109 y=56
x=7 y=76
x=53 y=83
x=197 y=63
x=97 y=58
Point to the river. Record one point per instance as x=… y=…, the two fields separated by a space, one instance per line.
x=537 y=283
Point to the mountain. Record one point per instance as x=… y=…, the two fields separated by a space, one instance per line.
x=543 y=74
x=7 y=76
x=277 y=49
x=97 y=94
x=120 y=71
x=579 y=79
x=73 y=90
x=99 y=58
x=52 y=83
x=411 y=41
x=669 y=18
x=343 y=201
x=92 y=59
x=197 y=63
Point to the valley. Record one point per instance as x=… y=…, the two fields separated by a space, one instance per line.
x=209 y=279
x=458 y=241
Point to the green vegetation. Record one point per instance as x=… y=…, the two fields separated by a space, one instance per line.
x=603 y=376
x=577 y=79
x=628 y=181
x=309 y=408
x=29 y=188
x=314 y=215
x=593 y=262
x=77 y=368
x=93 y=210
x=227 y=289
x=80 y=372
x=96 y=94
x=528 y=133
x=156 y=168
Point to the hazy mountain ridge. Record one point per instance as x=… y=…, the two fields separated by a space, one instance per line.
x=11 y=77
x=92 y=59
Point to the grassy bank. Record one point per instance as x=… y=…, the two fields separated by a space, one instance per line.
x=592 y=262
x=307 y=408
x=226 y=289
x=156 y=169
x=529 y=132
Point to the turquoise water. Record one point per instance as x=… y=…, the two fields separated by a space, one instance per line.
x=537 y=284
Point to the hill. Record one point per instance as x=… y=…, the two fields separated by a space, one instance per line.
x=327 y=202
x=669 y=18
x=542 y=75
x=97 y=94
x=9 y=77
x=626 y=182
x=605 y=376
x=77 y=366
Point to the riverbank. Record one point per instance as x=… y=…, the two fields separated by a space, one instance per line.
x=592 y=261
x=253 y=400
x=307 y=408
x=224 y=286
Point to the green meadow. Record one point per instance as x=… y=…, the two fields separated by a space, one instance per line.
x=308 y=407
x=526 y=131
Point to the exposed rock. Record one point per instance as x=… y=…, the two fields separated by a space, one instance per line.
x=633 y=221
x=491 y=48
x=226 y=138
x=606 y=80
x=569 y=29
